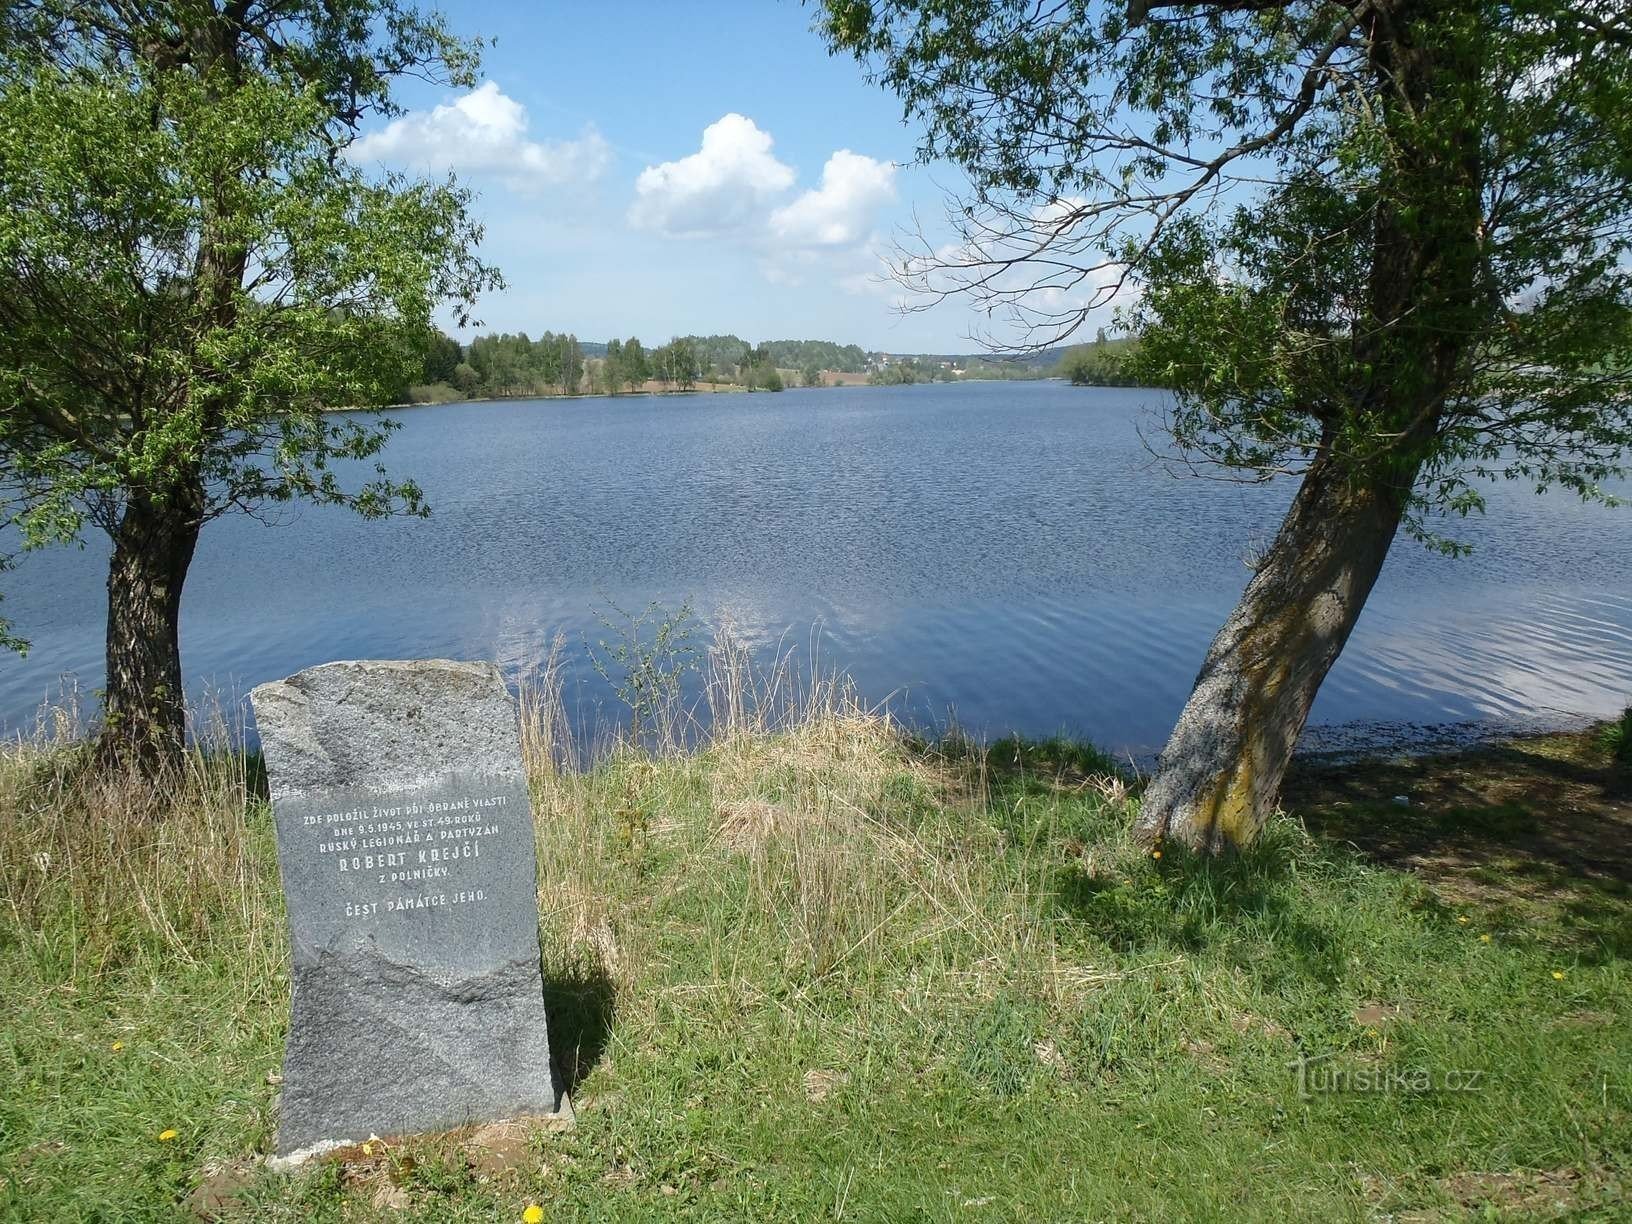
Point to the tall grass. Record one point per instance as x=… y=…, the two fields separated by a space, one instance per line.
x=101 y=870
x=804 y=819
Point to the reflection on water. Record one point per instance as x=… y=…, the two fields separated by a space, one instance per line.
x=1009 y=552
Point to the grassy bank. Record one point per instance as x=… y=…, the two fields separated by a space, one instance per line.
x=815 y=969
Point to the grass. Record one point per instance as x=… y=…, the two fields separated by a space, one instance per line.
x=814 y=968
x=1616 y=740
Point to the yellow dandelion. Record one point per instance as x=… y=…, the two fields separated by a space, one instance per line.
x=117 y=1046
x=1463 y=919
x=1558 y=975
x=1484 y=939
x=368 y=1149
x=168 y=1134
x=534 y=1214
x=1155 y=854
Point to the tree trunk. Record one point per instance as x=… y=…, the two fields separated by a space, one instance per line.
x=1220 y=774
x=144 y=712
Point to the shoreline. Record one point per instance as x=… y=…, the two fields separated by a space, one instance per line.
x=1320 y=746
x=1373 y=739
x=722 y=389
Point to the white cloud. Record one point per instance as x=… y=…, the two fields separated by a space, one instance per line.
x=722 y=187
x=734 y=186
x=485 y=132
x=840 y=211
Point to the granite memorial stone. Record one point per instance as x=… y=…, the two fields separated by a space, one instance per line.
x=405 y=840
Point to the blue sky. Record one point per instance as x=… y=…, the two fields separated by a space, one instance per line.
x=609 y=210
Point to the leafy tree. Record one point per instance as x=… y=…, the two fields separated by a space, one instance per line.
x=811 y=375
x=901 y=373
x=759 y=372
x=513 y=365
x=1103 y=363
x=719 y=353
x=442 y=356
x=633 y=367
x=190 y=270
x=797 y=354
x=572 y=365
x=676 y=363
x=1385 y=247
x=466 y=378
x=507 y=363
x=546 y=360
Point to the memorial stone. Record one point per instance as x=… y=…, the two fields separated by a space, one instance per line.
x=405 y=841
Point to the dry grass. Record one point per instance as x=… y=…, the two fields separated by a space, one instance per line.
x=174 y=872
x=780 y=848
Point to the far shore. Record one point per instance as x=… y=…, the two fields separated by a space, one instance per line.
x=655 y=388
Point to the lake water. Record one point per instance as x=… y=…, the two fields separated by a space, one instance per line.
x=1009 y=552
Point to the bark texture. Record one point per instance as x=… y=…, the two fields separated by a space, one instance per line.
x=1221 y=771
x=144 y=712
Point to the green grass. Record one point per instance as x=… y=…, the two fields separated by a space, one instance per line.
x=823 y=971
x=1616 y=740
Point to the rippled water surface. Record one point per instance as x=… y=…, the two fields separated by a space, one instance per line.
x=1009 y=552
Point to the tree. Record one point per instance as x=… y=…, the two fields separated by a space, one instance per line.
x=759 y=372
x=1383 y=247
x=676 y=363
x=811 y=375
x=1103 y=363
x=442 y=357
x=466 y=379
x=719 y=354
x=632 y=366
x=572 y=365
x=547 y=352
x=190 y=271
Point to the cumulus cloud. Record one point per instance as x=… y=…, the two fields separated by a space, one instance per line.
x=735 y=186
x=720 y=188
x=485 y=132
x=840 y=211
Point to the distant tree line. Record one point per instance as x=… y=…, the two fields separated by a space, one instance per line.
x=725 y=354
x=515 y=365
x=1104 y=363
x=907 y=370
x=628 y=365
x=507 y=365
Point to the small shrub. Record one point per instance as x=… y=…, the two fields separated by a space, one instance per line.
x=646 y=661
x=1616 y=739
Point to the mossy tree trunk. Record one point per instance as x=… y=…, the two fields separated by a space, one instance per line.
x=1221 y=771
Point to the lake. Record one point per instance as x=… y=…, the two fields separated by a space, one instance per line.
x=1006 y=553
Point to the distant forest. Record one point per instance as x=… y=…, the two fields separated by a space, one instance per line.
x=515 y=365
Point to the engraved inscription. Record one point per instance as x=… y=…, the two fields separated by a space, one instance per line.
x=414 y=855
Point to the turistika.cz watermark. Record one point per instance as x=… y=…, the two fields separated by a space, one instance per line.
x=1319 y=1076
